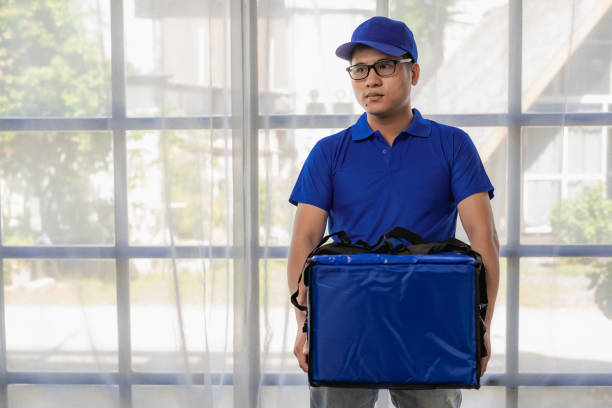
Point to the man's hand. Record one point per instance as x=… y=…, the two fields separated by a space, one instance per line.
x=300 y=349
x=485 y=360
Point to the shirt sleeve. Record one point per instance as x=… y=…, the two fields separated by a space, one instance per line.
x=314 y=185
x=468 y=173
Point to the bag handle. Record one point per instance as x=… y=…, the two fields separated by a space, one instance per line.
x=343 y=239
x=384 y=244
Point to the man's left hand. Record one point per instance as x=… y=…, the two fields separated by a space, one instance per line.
x=485 y=360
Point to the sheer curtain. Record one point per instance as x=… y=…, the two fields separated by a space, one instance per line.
x=148 y=149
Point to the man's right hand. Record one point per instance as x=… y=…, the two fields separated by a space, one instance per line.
x=300 y=349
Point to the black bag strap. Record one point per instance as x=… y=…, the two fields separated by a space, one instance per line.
x=334 y=248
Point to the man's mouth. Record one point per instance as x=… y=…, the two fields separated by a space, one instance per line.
x=373 y=96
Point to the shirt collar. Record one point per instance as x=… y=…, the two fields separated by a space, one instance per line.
x=418 y=127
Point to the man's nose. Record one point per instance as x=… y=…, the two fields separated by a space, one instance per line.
x=373 y=79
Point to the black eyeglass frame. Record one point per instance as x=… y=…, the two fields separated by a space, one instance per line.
x=395 y=62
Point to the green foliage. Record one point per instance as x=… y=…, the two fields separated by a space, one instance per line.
x=584 y=220
x=50 y=67
x=588 y=220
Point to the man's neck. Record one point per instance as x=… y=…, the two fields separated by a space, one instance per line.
x=390 y=127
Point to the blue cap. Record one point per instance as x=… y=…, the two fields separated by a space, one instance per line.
x=384 y=34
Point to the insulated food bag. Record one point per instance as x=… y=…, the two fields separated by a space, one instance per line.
x=395 y=315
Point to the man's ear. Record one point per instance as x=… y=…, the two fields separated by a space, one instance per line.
x=416 y=71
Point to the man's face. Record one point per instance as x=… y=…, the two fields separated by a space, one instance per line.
x=383 y=96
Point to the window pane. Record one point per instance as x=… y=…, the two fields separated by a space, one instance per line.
x=298 y=68
x=555 y=397
x=187 y=171
x=543 y=150
x=61 y=396
x=564 y=180
x=55 y=59
x=177 y=58
x=565 y=315
x=61 y=315
x=204 y=295
x=485 y=397
x=463 y=53
x=278 y=326
x=287 y=396
x=282 y=153
x=586 y=147
x=566 y=56
x=540 y=197
x=57 y=188
x=168 y=396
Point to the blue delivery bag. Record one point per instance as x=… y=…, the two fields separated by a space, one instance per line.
x=389 y=316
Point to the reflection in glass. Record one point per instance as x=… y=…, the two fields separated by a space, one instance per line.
x=564 y=175
x=170 y=396
x=61 y=315
x=179 y=181
x=61 y=396
x=463 y=53
x=55 y=59
x=565 y=315
x=193 y=320
x=297 y=65
x=566 y=56
x=57 y=188
x=163 y=79
x=555 y=397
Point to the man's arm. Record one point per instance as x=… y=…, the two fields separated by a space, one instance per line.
x=308 y=229
x=477 y=220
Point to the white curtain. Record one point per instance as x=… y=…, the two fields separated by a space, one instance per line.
x=148 y=149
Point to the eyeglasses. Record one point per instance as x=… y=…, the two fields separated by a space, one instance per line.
x=383 y=68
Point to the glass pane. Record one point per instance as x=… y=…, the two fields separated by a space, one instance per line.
x=187 y=171
x=282 y=153
x=167 y=396
x=565 y=315
x=485 y=397
x=540 y=197
x=497 y=362
x=298 y=68
x=165 y=79
x=492 y=145
x=62 y=396
x=565 y=177
x=586 y=147
x=556 y=397
x=278 y=326
x=566 y=56
x=463 y=53
x=286 y=396
x=542 y=150
x=57 y=188
x=55 y=59
x=61 y=315
x=195 y=318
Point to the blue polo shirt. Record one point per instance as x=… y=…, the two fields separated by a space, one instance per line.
x=368 y=187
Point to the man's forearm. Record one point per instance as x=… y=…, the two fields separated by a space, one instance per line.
x=298 y=251
x=487 y=245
